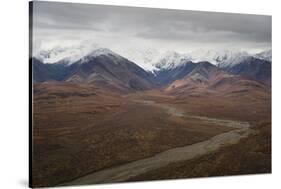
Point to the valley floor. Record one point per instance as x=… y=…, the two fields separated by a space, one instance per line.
x=136 y=168
x=87 y=135
x=251 y=155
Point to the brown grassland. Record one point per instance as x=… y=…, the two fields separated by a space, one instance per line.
x=80 y=129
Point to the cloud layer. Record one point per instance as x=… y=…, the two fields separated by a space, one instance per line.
x=121 y=28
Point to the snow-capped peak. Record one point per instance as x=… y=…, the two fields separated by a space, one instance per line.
x=223 y=58
x=147 y=58
x=67 y=54
x=101 y=51
x=142 y=57
x=265 y=55
x=171 y=59
x=98 y=52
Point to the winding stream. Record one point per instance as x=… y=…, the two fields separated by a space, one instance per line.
x=129 y=170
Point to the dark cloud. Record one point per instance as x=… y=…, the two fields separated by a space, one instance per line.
x=154 y=24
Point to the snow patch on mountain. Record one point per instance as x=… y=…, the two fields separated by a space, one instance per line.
x=171 y=60
x=99 y=52
x=142 y=57
x=265 y=55
x=149 y=59
x=227 y=58
x=66 y=54
x=224 y=58
x=102 y=51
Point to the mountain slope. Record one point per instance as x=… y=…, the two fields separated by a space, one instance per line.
x=253 y=68
x=265 y=55
x=66 y=54
x=174 y=66
x=222 y=58
x=104 y=67
x=166 y=76
x=200 y=76
x=43 y=72
x=50 y=72
x=206 y=79
x=171 y=60
x=101 y=66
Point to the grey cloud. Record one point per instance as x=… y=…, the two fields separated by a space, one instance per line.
x=154 y=24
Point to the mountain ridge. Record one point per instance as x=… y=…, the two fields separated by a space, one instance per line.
x=102 y=67
x=105 y=67
x=150 y=59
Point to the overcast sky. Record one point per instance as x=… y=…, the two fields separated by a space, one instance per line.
x=120 y=28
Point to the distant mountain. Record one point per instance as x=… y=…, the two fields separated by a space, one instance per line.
x=65 y=54
x=152 y=60
x=206 y=78
x=253 y=68
x=171 y=60
x=48 y=72
x=223 y=58
x=102 y=67
x=105 y=67
x=265 y=55
x=173 y=66
x=166 y=76
x=108 y=68
x=202 y=75
x=227 y=58
x=143 y=58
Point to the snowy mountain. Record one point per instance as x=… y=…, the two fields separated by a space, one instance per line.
x=224 y=58
x=265 y=55
x=101 y=67
x=100 y=52
x=171 y=60
x=100 y=64
x=252 y=66
x=66 y=54
x=144 y=58
x=227 y=58
x=165 y=67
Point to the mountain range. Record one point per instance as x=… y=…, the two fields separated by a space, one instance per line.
x=172 y=71
x=150 y=59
